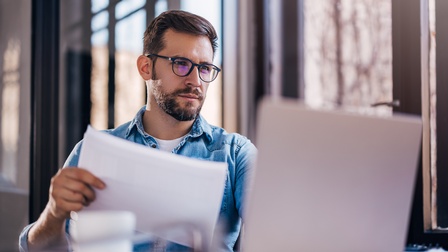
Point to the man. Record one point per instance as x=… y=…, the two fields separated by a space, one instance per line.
x=177 y=67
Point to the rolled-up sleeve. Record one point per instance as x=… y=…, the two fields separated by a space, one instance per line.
x=23 y=238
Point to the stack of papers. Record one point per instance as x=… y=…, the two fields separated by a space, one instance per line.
x=172 y=196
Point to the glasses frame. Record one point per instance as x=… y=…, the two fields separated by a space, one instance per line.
x=173 y=59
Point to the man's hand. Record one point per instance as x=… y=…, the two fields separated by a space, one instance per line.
x=71 y=189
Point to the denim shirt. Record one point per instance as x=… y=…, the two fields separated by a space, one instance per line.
x=205 y=142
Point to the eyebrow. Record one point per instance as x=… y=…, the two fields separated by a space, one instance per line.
x=200 y=62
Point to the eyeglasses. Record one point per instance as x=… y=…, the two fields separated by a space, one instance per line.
x=182 y=67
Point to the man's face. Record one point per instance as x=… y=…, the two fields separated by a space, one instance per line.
x=180 y=97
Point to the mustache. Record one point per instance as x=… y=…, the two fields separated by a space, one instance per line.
x=190 y=90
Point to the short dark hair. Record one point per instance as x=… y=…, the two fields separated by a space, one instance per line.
x=179 y=21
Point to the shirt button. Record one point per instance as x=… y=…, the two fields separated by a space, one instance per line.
x=153 y=145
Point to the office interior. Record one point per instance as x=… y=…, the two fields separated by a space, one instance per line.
x=65 y=64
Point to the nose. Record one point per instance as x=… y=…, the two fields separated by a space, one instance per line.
x=193 y=78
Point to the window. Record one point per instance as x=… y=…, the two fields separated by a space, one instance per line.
x=15 y=116
x=429 y=223
x=358 y=53
x=348 y=54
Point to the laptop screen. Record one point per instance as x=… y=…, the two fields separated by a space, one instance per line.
x=330 y=180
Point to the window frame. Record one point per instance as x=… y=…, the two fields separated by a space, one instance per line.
x=44 y=102
x=409 y=71
x=442 y=111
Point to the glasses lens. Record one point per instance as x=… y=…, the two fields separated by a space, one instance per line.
x=181 y=67
x=208 y=72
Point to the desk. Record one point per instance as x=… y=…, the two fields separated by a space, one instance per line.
x=422 y=249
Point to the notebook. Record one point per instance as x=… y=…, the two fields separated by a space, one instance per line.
x=331 y=180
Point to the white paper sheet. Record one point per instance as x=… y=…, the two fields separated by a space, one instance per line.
x=172 y=196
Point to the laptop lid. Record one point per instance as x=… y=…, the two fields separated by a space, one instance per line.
x=331 y=181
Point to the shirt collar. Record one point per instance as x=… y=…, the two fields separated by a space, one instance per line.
x=200 y=126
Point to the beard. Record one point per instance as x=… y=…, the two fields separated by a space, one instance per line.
x=168 y=103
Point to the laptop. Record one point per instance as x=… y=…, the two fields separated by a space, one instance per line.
x=331 y=180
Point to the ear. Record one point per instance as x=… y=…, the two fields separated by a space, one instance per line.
x=144 y=66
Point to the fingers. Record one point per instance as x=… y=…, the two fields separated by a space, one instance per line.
x=71 y=190
x=84 y=176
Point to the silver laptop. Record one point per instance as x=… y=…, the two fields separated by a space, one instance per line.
x=331 y=181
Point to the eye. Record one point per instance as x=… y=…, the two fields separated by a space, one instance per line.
x=181 y=62
x=206 y=69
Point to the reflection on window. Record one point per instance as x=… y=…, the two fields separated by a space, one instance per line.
x=348 y=53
